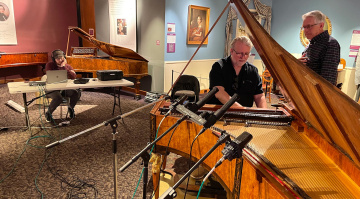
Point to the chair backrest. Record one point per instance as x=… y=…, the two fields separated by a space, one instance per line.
x=186 y=82
x=266 y=77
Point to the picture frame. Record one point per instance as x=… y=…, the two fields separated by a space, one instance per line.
x=198 y=24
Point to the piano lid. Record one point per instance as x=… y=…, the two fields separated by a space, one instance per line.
x=320 y=104
x=110 y=49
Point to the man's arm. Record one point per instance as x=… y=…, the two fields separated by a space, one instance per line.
x=330 y=62
x=71 y=72
x=223 y=97
x=260 y=100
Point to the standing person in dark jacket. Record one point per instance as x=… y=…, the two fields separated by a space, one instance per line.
x=322 y=54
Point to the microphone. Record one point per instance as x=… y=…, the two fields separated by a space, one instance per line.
x=220 y=112
x=190 y=109
x=202 y=102
x=233 y=149
x=178 y=101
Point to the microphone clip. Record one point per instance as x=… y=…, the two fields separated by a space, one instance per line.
x=177 y=102
x=233 y=148
x=230 y=150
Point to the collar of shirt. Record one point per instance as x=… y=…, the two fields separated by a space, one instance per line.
x=321 y=36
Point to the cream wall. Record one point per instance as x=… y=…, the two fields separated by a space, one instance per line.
x=198 y=68
x=347 y=77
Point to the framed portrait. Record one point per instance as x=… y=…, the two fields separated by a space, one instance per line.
x=198 y=24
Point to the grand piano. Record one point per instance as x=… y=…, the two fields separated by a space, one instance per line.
x=13 y=61
x=84 y=60
x=307 y=148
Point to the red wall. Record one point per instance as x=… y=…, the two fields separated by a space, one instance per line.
x=42 y=26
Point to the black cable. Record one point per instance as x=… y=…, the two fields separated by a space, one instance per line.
x=75 y=187
x=189 y=164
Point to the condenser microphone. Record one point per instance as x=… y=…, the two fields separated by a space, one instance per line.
x=178 y=101
x=190 y=109
x=233 y=149
x=220 y=112
x=202 y=102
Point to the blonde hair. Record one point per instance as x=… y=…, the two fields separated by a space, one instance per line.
x=318 y=15
x=242 y=39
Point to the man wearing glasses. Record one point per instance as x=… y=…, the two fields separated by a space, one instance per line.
x=234 y=74
x=322 y=54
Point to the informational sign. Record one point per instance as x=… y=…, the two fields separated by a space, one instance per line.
x=7 y=23
x=355 y=40
x=122 y=15
x=353 y=53
x=171 y=27
x=171 y=40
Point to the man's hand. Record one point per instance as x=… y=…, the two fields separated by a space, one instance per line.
x=63 y=63
x=304 y=60
x=223 y=97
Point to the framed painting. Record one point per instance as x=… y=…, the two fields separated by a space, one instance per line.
x=198 y=24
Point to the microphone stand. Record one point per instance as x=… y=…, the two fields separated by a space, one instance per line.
x=146 y=156
x=170 y=192
x=187 y=114
x=113 y=125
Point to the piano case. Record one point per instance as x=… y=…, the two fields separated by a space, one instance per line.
x=107 y=75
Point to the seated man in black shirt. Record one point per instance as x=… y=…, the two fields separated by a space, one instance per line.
x=234 y=74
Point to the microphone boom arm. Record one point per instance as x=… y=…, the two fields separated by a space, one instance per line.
x=136 y=157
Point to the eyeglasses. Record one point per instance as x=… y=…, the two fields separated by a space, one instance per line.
x=308 y=26
x=242 y=54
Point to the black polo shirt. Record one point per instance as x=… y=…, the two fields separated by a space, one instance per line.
x=246 y=84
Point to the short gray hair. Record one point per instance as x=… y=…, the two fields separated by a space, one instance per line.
x=242 y=39
x=318 y=15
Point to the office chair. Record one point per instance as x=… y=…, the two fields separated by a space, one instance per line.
x=186 y=85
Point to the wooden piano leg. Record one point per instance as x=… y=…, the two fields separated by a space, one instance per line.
x=156 y=180
x=137 y=88
x=156 y=164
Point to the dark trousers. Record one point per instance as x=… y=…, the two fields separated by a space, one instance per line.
x=57 y=98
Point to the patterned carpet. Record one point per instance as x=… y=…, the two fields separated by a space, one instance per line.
x=81 y=167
